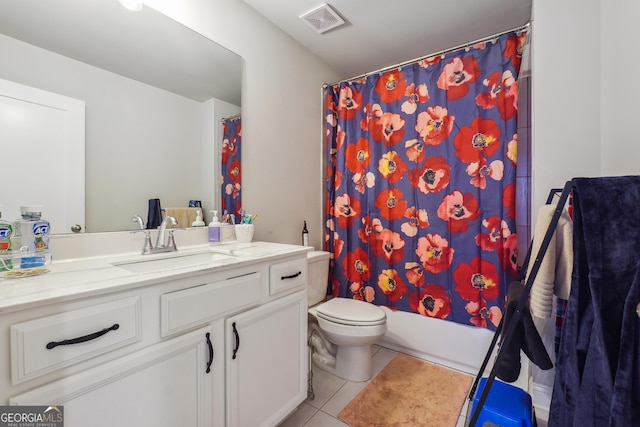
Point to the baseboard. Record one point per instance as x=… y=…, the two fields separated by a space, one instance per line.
x=541 y=401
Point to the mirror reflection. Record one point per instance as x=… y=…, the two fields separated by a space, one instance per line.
x=152 y=96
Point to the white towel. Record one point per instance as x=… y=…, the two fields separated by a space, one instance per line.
x=555 y=270
x=564 y=252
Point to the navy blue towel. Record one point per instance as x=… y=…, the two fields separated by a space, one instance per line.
x=154 y=219
x=597 y=380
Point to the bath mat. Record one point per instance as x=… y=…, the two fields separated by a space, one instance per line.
x=409 y=392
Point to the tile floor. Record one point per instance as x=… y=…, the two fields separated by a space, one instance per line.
x=333 y=393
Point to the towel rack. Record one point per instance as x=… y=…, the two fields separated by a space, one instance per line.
x=517 y=316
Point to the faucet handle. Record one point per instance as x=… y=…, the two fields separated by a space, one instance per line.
x=148 y=247
x=171 y=242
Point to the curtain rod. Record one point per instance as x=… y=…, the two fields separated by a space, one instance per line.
x=441 y=52
x=235 y=116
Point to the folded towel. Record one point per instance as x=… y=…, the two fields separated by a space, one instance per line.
x=554 y=275
x=184 y=216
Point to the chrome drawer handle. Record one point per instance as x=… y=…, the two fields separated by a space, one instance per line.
x=293 y=276
x=93 y=336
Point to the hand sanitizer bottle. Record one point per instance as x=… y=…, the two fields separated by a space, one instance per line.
x=214 y=228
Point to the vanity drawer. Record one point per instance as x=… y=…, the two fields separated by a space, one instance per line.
x=287 y=275
x=49 y=343
x=181 y=310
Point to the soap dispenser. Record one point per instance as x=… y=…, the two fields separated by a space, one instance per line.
x=214 y=228
x=198 y=222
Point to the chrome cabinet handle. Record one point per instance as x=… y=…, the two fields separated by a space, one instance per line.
x=85 y=338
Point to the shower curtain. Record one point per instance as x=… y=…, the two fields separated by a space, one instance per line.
x=231 y=166
x=420 y=202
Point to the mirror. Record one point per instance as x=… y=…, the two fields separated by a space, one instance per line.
x=155 y=93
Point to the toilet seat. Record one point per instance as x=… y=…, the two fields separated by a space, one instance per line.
x=351 y=312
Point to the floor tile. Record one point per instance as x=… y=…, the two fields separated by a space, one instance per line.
x=343 y=397
x=320 y=419
x=382 y=358
x=325 y=385
x=299 y=417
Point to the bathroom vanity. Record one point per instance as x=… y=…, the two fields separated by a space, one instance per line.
x=206 y=336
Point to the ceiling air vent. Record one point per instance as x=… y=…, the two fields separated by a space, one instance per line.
x=322 y=18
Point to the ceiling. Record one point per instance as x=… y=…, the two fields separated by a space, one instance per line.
x=381 y=33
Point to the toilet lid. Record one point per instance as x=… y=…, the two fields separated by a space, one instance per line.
x=351 y=312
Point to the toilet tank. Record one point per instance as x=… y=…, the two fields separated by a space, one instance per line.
x=317 y=276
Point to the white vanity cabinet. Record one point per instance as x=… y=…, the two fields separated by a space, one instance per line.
x=163 y=385
x=222 y=347
x=267 y=367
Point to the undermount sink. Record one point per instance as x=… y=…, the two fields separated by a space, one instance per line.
x=242 y=249
x=173 y=262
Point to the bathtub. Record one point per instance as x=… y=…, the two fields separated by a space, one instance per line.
x=446 y=343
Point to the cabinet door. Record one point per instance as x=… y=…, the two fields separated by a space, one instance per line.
x=266 y=362
x=163 y=385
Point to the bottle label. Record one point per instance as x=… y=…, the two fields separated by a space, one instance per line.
x=41 y=235
x=5 y=235
x=5 y=232
x=214 y=234
x=40 y=229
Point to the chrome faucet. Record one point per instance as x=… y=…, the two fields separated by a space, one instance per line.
x=160 y=242
x=137 y=218
x=148 y=248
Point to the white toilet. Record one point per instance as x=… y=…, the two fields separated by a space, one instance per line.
x=341 y=330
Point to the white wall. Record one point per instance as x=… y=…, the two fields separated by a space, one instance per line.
x=620 y=88
x=566 y=80
x=281 y=115
x=566 y=113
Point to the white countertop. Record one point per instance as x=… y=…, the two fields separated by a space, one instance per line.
x=83 y=277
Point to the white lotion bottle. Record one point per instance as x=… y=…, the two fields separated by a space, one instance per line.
x=214 y=228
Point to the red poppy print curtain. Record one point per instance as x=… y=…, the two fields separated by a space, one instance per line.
x=420 y=210
x=231 y=166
